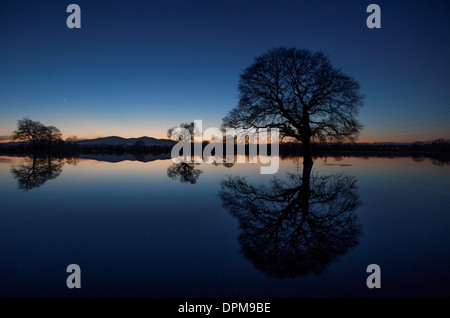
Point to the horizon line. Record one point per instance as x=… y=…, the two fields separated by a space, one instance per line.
x=4 y=140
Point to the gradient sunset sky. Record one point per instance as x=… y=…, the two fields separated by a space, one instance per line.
x=136 y=68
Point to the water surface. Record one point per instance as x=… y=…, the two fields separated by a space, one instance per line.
x=149 y=228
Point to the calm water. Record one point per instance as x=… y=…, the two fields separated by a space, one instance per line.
x=153 y=229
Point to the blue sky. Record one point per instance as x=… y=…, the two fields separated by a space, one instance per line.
x=139 y=67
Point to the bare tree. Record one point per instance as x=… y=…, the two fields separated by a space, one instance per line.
x=35 y=131
x=29 y=130
x=72 y=139
x=51 y=134
x=300 y=93
x=189 y=126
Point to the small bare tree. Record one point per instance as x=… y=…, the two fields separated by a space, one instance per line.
x=189 y=126
x=51 y=134
x=29 y=130
x=35 y=132
x=72 y=139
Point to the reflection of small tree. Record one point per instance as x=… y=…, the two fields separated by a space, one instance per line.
x=417 y=158
x=184 y=172
x=73 y=161
x=440 y=152
x=34 y=172
x=294 y=226
x=440 y=162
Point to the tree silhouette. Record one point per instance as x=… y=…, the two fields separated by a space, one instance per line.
x=73 y=161
x=184 y=172
x=72 y=139
x=51 y=134
x=35 y=132
x=29 y=130
x=300 y=93
x=294 y=226
x=189 y=126
x=34 y=172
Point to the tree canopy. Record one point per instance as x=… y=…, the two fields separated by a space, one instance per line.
x=35 y=131
x=300 y=93
x=189 y=126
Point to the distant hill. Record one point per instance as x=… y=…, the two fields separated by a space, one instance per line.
x=119 y=141
x=113 y=158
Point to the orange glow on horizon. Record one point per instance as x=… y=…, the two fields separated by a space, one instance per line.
x=159 y=133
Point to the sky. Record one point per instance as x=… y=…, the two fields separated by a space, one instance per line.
x=137 y=68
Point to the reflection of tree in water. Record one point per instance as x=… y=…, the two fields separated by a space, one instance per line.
x=294 y=226
x=188 y=173
x=439 y=162
x=73 y=161
x=184 y=172
x=225 y=164
x=34 y=172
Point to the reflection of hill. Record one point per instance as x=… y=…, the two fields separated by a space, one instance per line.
x=5 y=160
x=124 y=157
x=294 y=226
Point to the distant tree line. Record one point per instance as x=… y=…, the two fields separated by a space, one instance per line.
x=437 y=146
x=66 y=148
x=36 y=137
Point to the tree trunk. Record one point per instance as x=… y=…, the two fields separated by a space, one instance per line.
x=306 y=140
x=305 y=192
x=307 y=156
x=33 y=147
